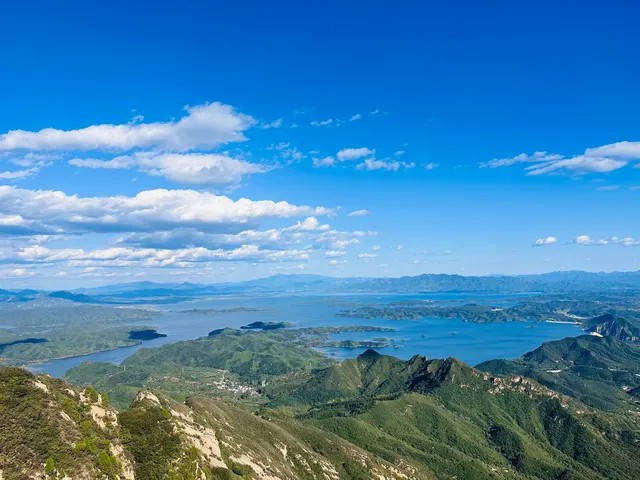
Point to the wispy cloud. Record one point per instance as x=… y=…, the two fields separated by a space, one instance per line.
x=393 y=166
x=275 y=124
x=322 y=123
x=359 y=213
x=603 y=159
x=324 y=162
x=355 y=117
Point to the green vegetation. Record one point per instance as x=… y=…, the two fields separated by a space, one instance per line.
x=228 y=363
x=609 y=325
x=157 y=448
x=374 y=416
x=232 y=363
x=599 y=371
x=266 y=325
x=45 y=427
x=67 y=341
x=44 y=333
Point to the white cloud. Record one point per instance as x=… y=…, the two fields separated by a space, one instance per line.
x=30 y=159
x=337 y=240
x=603 y=159
x=374 y=112
x=19 y=174
x=399 y=246
x=359 y=213
x=275 y=124
x=20 y=272
x=310 y=224
x=292 y=155
x=338 y=263
x=323 y=123
x=47 y=211
x=191 y=168
x=399 y=153
x=626 y=242
x=608 y=188
x=627 y=150
x=579 y=165
x=324 y=162
x=354 y=153
x=587 y=240
x=545 y=241
x=431 y=166
x=335 y=253
x=373 y=164
x=150 y=257
x=204 y=126
x=368 y=256
x=376 y=247
x=355 y=117
x=344 y=243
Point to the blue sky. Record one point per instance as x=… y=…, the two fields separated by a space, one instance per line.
x=233 y=140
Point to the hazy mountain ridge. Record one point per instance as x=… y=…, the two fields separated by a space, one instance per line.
x=555 y=282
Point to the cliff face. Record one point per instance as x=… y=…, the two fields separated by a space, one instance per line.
x=50 y=430
x=615 y=327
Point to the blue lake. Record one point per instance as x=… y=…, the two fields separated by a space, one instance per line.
x=431 y=337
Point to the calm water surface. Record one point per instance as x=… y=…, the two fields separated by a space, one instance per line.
x=432 y=337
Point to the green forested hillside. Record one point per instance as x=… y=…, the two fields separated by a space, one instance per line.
x=370 y=417
x=420 y=418
x=598 y=371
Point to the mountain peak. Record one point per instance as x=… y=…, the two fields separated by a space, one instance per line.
x=369 y=354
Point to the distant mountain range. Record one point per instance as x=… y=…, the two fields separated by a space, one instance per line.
x=555 y=282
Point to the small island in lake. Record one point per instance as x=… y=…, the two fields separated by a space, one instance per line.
x=143 y=335
x=266 y=326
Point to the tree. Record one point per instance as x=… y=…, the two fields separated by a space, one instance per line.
x=49 y=467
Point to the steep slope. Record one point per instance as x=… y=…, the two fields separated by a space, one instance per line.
x=609 y=325
x=49 y=430
x=595 y=370
x=47 y=427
